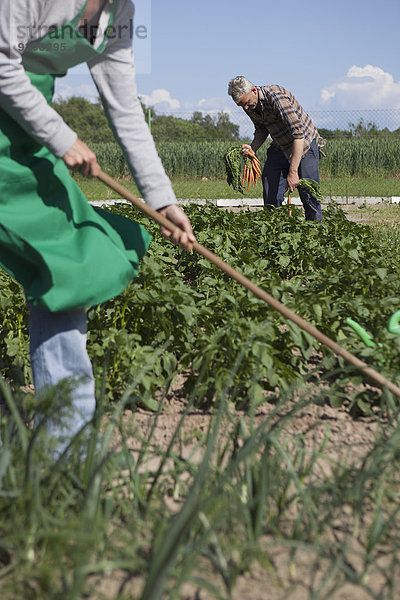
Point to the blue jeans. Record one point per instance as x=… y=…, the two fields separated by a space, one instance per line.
x=274 y=176
x=58 y=352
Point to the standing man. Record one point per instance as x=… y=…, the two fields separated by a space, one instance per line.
x=294 y=152
x=67 y=255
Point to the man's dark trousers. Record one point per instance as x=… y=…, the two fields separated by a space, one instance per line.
x=274 y=176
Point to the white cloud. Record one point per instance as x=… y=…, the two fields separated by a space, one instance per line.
x=77 y=82
x=326 y=95
x=212 y=106
x=63 y=91
x=160 y=99
x=185 y=109
x=216 y=104
x=363 y=88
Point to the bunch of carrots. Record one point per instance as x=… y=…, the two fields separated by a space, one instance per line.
x=251 y=171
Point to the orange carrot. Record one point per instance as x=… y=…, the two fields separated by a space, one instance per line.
x=256 y=168
x=244 y=175
x=250 y=179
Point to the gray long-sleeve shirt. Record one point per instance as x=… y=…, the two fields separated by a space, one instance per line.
x=24 y=22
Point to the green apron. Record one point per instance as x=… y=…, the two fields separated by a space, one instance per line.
x=65 y=253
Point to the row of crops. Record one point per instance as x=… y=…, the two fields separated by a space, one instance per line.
x=203 y=321
x=344 y=158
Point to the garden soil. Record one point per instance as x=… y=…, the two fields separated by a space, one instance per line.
x=346 y=439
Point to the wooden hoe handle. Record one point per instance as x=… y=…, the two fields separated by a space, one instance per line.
x=257 y=291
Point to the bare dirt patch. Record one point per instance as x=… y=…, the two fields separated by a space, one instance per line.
x=281 y=575
x=375 y=214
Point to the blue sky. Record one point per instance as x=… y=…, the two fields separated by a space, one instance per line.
x=334 y=56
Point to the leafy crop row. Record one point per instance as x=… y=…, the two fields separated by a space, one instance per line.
x=203 y=323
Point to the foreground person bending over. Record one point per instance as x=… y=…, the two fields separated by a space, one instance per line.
x=67 y=255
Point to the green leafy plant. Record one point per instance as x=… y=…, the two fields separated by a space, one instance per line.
x=233 y=164
x=194 y=317
x=312 y=187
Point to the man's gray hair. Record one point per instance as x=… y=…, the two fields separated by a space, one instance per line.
x=239 y=86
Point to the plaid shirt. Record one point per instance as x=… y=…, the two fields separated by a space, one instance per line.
x=283 y=118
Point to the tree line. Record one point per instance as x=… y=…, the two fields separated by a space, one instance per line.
x=360 y=130
x=90 y=123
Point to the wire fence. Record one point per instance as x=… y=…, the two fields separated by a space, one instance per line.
x=362 y=152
